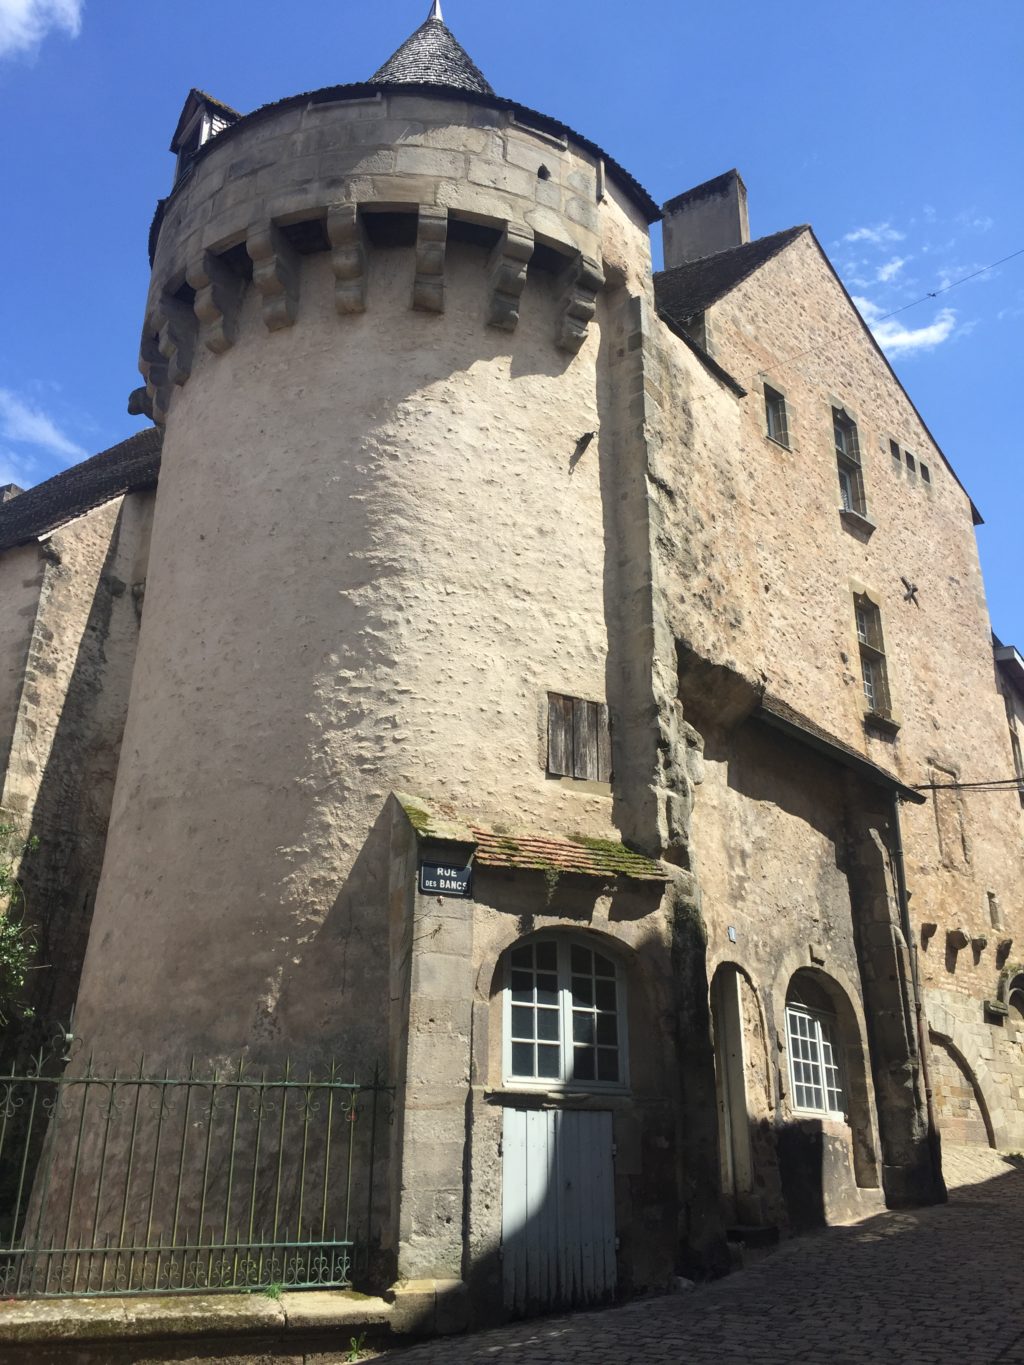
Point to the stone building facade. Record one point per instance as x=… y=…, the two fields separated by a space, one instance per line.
x=566 y=683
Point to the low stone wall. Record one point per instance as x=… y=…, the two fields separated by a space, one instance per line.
x=326 y=1327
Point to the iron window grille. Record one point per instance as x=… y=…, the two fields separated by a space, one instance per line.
x=564 y=1017
x=851 y=477
x=776 y=417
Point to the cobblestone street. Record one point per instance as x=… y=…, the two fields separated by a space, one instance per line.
x=940 y=1285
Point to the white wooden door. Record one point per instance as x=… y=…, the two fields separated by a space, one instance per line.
x=557 y=1208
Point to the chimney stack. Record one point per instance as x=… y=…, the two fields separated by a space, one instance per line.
x=9 y=491
x=706 y=219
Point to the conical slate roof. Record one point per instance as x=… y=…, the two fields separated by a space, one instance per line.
x=433 y=56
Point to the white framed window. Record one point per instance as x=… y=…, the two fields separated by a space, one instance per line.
x=814 y=1072
x=873 y=671
x=848 y=462
x=563 y=1017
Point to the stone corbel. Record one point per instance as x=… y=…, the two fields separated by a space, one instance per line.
x=139 y=404
x=348 y=258
x=431 y=242
x=580 y=283
x=176 y=338
x=154 y=370
x=218 y=298
x=275 y=273
x=507 y=274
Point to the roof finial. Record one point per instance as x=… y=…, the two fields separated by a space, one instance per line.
x=435 y=12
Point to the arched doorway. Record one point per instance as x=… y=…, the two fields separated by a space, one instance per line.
x=743 y=1091
x=960 y=1107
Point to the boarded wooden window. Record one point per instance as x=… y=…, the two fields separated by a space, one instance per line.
x=579 y=741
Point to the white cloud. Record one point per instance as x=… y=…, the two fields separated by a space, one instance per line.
x=877 y=236
x=15 y=469
x=977 y=222
x=30 y=426
x=897 y=339
x=891 y=269
x=25 y=23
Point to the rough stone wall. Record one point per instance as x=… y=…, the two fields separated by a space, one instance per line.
x=773 y=571
x=65 y=742
x=770 y=839
x=372 y=558
x=21 y=578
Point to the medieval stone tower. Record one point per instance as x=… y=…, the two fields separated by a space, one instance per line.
x=376 y=333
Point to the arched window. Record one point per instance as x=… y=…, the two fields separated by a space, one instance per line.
x=813 y=1045
x=563 y=1017
x=1015 y=999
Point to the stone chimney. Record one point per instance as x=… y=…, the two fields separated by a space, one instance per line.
x=9 y=491
x=709 y=218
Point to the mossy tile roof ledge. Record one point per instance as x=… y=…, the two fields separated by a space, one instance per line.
x=567 y=853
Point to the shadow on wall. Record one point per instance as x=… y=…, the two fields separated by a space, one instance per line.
x=72 y=807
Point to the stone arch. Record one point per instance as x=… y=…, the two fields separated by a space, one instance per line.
x=952 y=1100
x=744 y=1090
x=852 y=1033
x=1011 y=990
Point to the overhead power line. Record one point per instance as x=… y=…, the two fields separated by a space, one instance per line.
x=934 y=293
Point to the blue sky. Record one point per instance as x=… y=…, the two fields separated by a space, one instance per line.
x=895 y=128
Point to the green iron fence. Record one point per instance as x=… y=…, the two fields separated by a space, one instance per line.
x=146 y=1183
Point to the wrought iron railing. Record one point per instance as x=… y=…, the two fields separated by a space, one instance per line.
x=221 y=1180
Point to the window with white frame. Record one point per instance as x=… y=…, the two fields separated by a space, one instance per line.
x=851 y=478
x=563 y=1016
x=873 y=671
x=815 y=1074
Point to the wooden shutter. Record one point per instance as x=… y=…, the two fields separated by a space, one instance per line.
x=560 y=727
x=584 y=727
x=579 y=739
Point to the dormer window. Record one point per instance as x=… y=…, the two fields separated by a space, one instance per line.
x=202 y=118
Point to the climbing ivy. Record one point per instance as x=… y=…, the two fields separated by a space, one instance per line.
x=18 y=943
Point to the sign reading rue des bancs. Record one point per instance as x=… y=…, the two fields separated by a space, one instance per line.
x=444 y=879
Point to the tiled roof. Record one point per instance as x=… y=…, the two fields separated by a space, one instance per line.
x=134 y=463
x=686 y=290
x=567 y=854
x=433 y=56
x=781 y=716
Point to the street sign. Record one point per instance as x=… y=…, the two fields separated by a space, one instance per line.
x=442 y=879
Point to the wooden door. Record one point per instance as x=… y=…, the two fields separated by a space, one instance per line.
x=557 y=1209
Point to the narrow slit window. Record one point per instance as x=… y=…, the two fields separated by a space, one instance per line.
x=776 y=417
x=911 y=462
x=895 y=452
x=926 y=473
